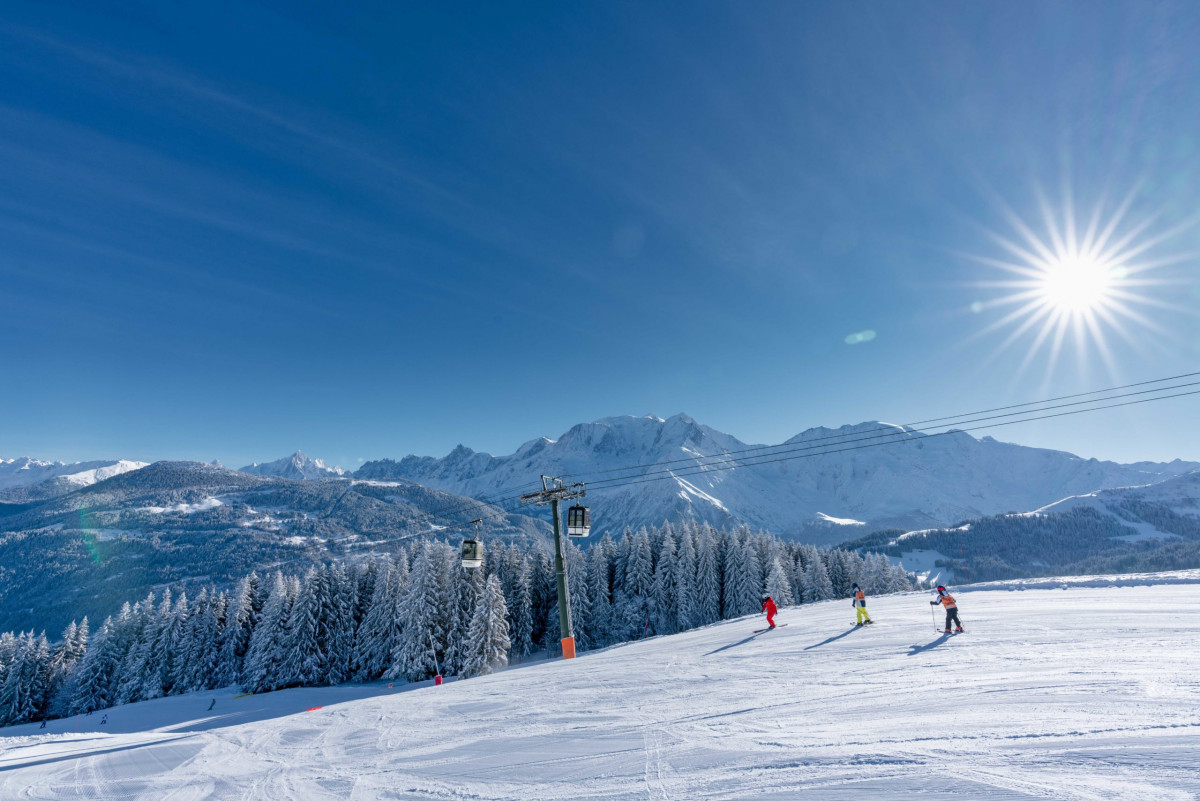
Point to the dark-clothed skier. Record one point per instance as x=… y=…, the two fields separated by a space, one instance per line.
x=947 y=600
x=860 y=605
x=770 y=608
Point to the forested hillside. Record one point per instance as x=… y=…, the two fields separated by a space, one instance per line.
x=1135 y=530
x=188 y=525
x=416 y=613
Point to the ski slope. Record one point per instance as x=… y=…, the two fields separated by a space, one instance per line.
x=1079 y=690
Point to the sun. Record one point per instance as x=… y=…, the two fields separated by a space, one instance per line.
x=1078 y=282
x=1078 y=285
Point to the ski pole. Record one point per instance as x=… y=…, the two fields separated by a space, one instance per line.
x=933 y=617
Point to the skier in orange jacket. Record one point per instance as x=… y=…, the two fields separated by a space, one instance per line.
x=947 y=600
x=770 y=608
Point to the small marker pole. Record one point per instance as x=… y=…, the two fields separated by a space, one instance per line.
x=437 y=676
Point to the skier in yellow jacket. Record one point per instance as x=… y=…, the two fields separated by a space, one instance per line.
x=860 y=605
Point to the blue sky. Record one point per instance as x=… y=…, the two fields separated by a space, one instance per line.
x=229 y=231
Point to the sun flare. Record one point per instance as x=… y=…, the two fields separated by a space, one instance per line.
x=1079 y=282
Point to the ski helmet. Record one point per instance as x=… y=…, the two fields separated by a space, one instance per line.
x=766 y=595
x=941 y=588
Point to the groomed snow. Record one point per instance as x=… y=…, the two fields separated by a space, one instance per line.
x=1058 y=690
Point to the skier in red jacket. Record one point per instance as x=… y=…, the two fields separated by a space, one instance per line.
x=770 y=608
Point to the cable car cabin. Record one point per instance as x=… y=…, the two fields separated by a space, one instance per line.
x=579 y=521
x=472 y=554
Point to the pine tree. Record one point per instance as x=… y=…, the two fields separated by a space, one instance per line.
x=463 y=591
x=778 y=585
x=684 y=574
x=140 y=634
x=421 y=644
x=344 y=603
x=304 y=656
x=95 y=679
x=708 y=578
x=264 y=658
x=666 y=592
x=580 y=598
x=184 y=667
x=63 y=660
x=162 y=670
x=839 y=575
x=599 y=597
x=241 y=617
x=637 y=588
x=376 y=637
x=487 y=638
x=520 y=605
x=739 y=584
x=816 y=585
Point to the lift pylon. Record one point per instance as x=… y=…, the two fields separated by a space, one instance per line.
x=553 y=491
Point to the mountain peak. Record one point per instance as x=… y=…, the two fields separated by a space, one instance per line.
x=297 y=466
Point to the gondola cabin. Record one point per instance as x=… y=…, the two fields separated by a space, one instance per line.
x=579 y=521
x=472 y=554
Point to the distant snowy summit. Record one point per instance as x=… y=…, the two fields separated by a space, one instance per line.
x=297 y=466
x=26 y=472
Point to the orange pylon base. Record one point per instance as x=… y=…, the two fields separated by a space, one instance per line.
x=568 y=645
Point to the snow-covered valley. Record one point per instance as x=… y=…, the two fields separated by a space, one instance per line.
x=1080 y=689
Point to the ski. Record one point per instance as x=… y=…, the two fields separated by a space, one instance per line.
x=760 y=631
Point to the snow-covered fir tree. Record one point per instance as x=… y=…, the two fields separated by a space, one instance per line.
x=487 y=642
x=779 y=586
x=816 y=585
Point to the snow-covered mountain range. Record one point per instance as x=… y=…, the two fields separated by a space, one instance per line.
x=24 y=472
x=847 y=482
x=298 y=465
x=842 y=488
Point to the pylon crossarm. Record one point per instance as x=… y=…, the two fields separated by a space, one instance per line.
x=543 y=497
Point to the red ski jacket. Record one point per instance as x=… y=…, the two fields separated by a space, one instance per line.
x=769 y=607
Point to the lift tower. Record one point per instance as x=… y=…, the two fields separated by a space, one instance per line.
x=553 y=490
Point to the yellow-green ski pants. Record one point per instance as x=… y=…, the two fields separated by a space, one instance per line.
x=861 y=611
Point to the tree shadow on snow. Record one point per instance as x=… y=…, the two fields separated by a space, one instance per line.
x=834 y=638
x=913 y=650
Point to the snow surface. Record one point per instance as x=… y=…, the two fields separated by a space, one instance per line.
x=1084 y=688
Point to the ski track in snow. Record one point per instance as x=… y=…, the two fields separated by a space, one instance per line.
x=1082 y=693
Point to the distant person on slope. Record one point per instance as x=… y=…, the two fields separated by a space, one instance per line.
x=947 y=600
x=770 y=608
x=860 y=605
